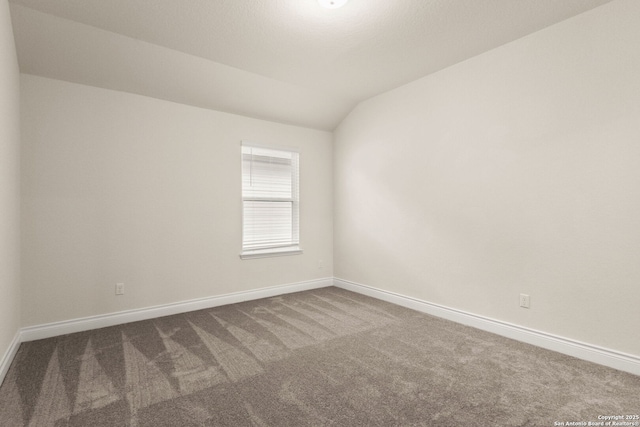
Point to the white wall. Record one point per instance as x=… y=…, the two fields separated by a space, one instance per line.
x=514 y=171
x=123 y=188
x=9 y=183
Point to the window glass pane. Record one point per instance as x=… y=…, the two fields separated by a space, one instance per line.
x=267 y=224
x=266 y=177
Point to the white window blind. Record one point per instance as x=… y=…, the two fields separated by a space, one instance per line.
x=270 y=218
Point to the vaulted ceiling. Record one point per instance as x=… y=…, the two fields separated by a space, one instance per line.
x=289 y=61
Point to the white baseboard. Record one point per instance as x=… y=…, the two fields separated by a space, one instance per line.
x=603 y=356
x=617 y=360
x=6 y=360
x=49 y=330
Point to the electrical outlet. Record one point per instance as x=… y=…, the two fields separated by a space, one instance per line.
x=524 y=301
x=320 y=264
x=119 y=288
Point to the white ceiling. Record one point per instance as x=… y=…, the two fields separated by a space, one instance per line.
x=290 y=61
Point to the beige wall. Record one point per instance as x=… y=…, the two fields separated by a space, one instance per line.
x=514 y=171
x=9 y=183
x=123 y=188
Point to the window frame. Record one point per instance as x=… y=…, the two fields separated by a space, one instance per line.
x=294 y=248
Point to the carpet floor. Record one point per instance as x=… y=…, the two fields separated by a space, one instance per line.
x=325 y=357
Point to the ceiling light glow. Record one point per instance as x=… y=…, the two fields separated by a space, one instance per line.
x=332 y=4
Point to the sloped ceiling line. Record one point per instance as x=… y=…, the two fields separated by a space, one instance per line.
x=288 y=61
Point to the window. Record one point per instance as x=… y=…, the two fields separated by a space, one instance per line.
x=270 y=207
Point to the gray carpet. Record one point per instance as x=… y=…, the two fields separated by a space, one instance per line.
x=325 y=357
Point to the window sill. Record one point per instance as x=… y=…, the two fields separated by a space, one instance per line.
x=265 y=253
